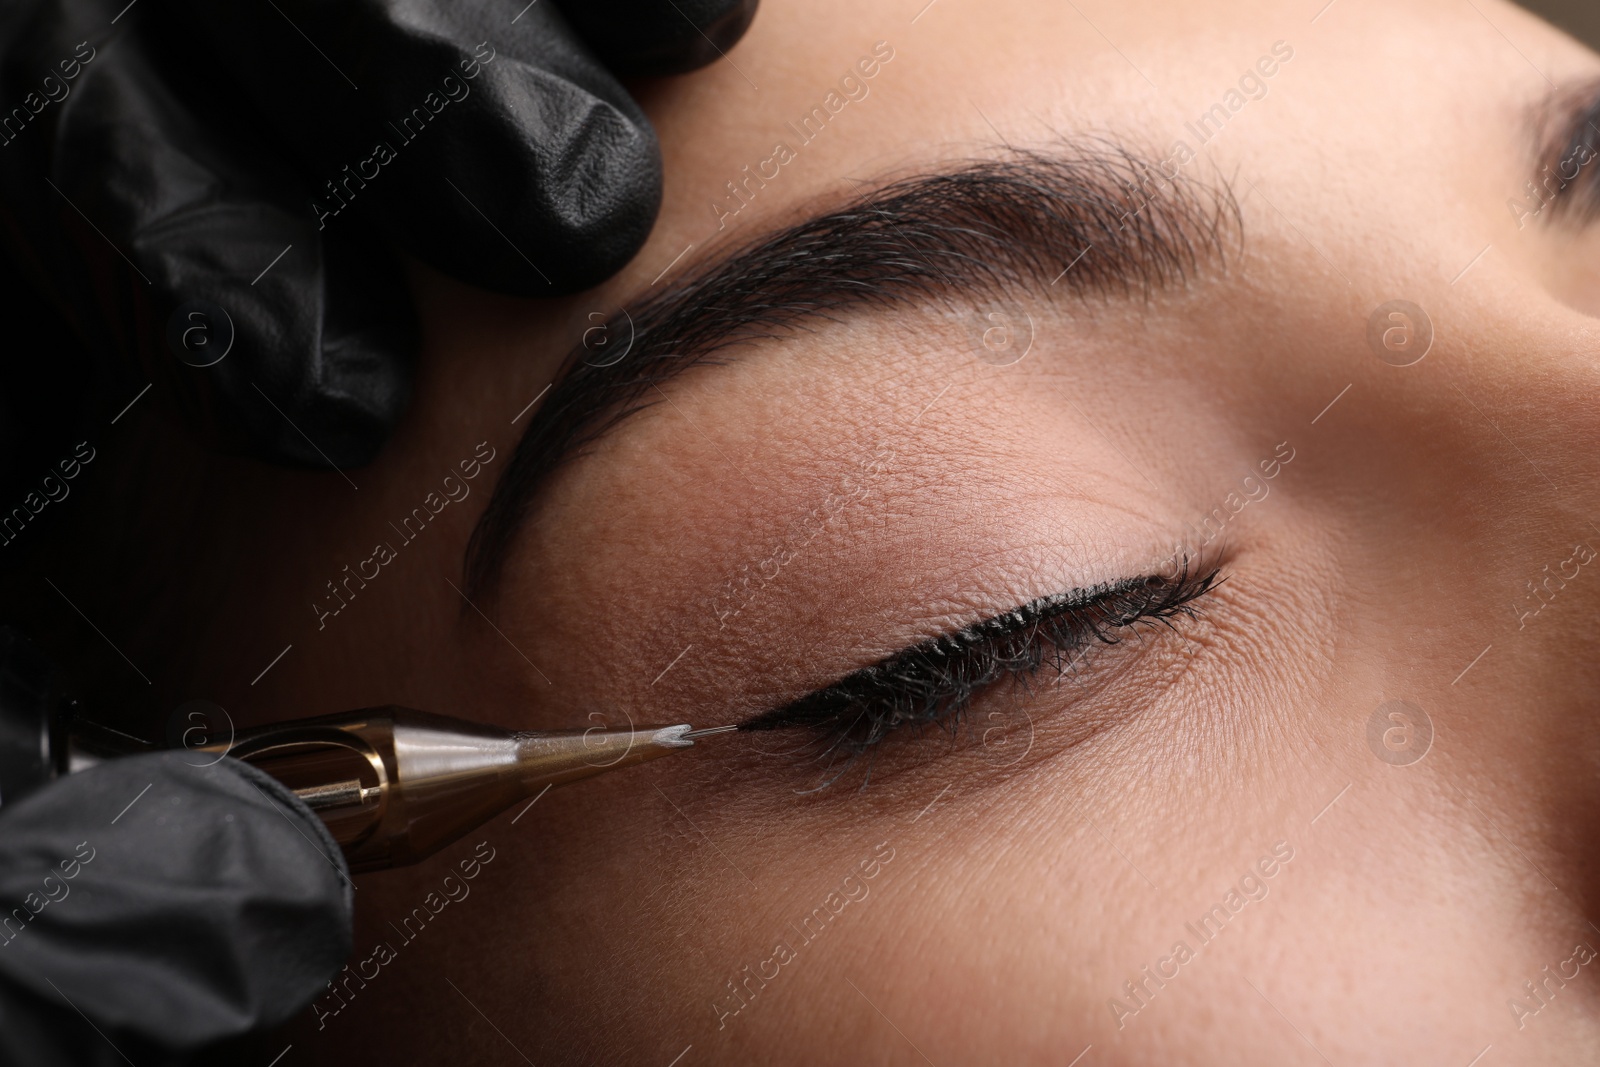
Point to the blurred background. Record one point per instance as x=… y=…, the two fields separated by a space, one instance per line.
x=1581 y=18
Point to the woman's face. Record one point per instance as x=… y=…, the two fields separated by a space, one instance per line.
x=1212 y=835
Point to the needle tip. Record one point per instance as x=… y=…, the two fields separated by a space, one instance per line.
x=708 y=731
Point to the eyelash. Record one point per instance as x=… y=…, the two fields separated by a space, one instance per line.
x=936 y=681
x=1579 y=195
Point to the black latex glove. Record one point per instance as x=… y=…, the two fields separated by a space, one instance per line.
x=157 y=157
x=201 y=912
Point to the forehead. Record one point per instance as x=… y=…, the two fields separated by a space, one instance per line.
x=1294 y=111
x=796 y=120
x=821 y=96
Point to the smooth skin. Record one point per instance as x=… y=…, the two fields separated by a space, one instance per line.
x=1023 y=874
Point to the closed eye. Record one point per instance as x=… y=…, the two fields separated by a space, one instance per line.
x=933 y=682
x=1569 y=179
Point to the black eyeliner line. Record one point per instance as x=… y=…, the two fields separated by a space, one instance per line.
x=937 y=669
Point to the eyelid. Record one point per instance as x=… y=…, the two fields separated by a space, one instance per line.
x=1577 y=194
x=934 y=681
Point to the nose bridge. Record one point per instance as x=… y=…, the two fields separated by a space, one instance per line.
x=1521 y=372
x=1469 y=427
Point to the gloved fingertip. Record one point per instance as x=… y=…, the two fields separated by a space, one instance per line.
x=320 y=365
x=284 y=801
x=551 y=201
x=641 y=40
x=600 y=197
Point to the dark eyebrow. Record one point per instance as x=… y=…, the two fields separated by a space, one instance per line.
x=1089 y=219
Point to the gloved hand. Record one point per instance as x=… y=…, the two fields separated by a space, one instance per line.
x=152 y=905
x=208 y=191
